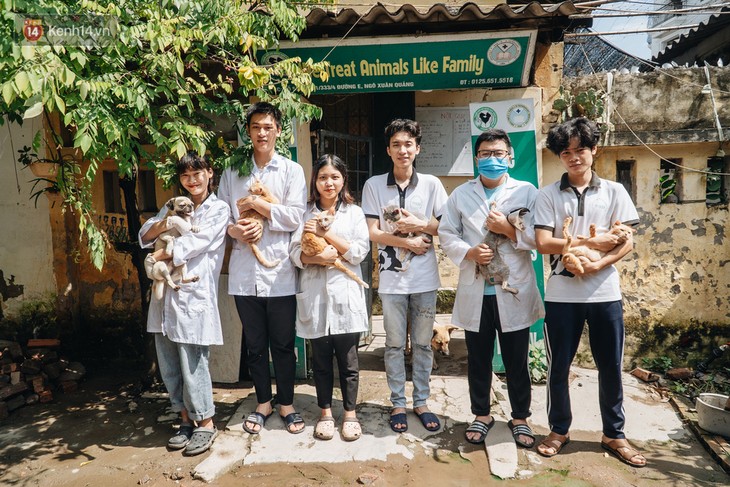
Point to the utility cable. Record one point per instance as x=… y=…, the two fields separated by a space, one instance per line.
x=702 y=171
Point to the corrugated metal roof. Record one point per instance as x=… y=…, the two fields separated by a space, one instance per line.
x=584 y=55
x=407 y=19
x=714 y=25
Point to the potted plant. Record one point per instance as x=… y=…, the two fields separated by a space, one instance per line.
x=41 y=168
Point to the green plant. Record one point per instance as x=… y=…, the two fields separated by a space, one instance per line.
x=587 y=103
x=150 y=88
x=538 y=364
x=35 y=318
x=657 y=364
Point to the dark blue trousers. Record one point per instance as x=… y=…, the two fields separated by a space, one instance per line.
x=480 y=349
x=563 y=328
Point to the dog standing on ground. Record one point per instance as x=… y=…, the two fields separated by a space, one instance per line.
x=439 y=342
x=179 y=219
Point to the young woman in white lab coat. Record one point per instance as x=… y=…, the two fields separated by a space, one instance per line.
x=185 y=323
x=331 y=309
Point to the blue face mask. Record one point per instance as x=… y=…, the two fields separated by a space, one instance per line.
x=493 y=167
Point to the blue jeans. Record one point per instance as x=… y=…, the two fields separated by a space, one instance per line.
x=420 y=310
x=184 y=370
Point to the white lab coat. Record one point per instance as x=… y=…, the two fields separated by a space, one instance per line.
x=462 y=227
x=328 y=301
x=190 y=315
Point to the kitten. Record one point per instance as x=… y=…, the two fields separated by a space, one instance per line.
x=313 y=244
x=392 y=214
x=258 y=190
x=572 y=254
x=178 y=219
x=497 y=271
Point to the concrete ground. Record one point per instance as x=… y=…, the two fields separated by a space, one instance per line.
x=107 y=433
x=651 y=421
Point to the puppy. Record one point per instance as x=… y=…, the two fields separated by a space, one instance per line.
x=439 y=342
x=178 y=219
x=572 y=254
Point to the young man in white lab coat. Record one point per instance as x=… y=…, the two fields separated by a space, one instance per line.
x=482 y=308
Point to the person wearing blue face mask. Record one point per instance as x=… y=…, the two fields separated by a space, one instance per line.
x=493 y=166
x=481 y=308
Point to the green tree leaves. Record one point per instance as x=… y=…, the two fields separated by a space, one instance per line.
x=149 y=92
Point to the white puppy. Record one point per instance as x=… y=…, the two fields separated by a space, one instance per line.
x=178 y=222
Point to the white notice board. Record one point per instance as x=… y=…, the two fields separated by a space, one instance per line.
x=445 y=141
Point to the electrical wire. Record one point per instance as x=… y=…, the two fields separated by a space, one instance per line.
x=623 y=32
x=615 y=110
x=12 y=149
x=344 y=36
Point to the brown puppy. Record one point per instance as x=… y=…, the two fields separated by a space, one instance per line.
x=439 y=342
x=572 y=254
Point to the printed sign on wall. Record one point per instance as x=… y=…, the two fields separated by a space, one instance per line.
x=429 y=62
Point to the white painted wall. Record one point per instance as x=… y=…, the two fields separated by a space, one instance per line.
x=25 y=239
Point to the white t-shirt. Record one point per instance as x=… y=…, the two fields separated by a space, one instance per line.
x=424 y=196
x=603 y=202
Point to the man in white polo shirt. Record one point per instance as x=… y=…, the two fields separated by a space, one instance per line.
x=407 y=289
x=572 y=297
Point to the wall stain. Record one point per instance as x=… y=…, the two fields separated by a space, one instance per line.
x=665 y=236
x=719 y=233
x=9 y=289
x=700 y=231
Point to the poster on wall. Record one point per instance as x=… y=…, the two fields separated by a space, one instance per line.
x=517 y=118
x=445 y=141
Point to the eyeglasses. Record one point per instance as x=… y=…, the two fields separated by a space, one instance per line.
x=489 y=153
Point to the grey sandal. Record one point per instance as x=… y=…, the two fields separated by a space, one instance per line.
x=200 y=441
x=181 y=438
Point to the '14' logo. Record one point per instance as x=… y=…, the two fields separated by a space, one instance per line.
x=33 y=29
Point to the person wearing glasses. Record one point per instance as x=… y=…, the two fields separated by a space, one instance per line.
x=485 y=310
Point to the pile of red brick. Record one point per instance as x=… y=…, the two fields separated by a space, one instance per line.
x=34 y=374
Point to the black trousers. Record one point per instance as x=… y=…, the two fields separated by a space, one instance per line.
x=268 y=323
x=514 y=346
x=344 y=348
x=563 y=327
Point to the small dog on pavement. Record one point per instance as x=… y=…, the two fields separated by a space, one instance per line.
x=439 y=342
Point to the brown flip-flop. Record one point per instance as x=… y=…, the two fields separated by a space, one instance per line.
x=555 y=443
x=625 y=453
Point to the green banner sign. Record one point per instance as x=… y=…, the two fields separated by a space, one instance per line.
x=488 y=60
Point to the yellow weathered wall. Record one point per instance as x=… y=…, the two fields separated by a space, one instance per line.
x=678 y=274
x=25 y=238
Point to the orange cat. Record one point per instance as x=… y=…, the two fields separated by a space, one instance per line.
x=258 y=189
x=572 y=254
x=312 y=244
